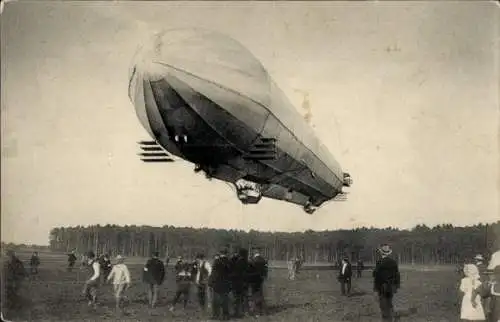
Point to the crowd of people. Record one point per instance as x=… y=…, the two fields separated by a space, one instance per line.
x=236 y=274
x=240 y=277
x=480 y=289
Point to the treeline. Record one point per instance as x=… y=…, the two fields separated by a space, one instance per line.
x=442 y=244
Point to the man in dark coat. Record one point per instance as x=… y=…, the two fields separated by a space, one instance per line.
x=183 y=277
x=106 y=266
x=153 y=276
x=220 y=284
x=360 y=266
x=239 y=283
x=71 y=260
x=258 y=270
x=386 y=282
x=202 y=271
x=34 y=263
x=345 y=276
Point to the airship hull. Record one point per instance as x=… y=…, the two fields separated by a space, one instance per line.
x=219 y=118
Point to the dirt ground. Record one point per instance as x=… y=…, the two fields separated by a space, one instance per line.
x=55 y=294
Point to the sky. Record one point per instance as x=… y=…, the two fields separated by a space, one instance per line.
x=403 y=94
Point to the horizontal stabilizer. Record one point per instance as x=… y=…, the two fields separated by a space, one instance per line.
x=151 y=148
x=157 y=160
x=153 y=154
x=148 y=143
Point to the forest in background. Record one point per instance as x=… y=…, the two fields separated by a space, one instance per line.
x=442 y=244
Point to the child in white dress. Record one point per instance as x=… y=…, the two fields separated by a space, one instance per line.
x=472 y=309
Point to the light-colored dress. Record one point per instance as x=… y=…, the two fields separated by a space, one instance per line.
x=468 y=311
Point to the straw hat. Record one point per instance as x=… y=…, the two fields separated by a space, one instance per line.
x=479 y=257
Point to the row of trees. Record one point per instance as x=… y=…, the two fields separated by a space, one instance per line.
x=443 y=244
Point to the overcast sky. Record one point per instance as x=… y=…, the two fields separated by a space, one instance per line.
x=404 y=95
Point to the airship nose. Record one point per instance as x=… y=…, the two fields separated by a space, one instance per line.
x=136 y=95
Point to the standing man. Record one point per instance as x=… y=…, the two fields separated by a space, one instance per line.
x=292 y=264
x=345 y=276
x=386 y=282
x=298 y=266
x=203 y=269
x=153 y=276
x=484 y=289
x=360 y=266
x=239 y=284
x=257 y=275
x=220 y=285
x=91 y=285
x=71 y=260
x=34 y=263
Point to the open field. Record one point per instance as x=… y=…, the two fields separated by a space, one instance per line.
x=55 y=294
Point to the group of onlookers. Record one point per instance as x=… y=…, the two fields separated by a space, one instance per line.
x=242 y=277
x=239 y=275
x=480 y=288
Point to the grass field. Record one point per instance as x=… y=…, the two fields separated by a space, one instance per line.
x=55 y=294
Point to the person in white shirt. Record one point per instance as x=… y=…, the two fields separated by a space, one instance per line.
x=120 y=276
x=345 y=275
x=91 y=285
x=203 y=271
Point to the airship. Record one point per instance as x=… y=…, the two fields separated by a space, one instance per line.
x=204 y=98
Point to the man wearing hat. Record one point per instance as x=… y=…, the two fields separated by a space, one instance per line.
x=91 y=285
x=220 y=285
x=484 y=289
x=386 y=281
x=239 y=282
x=203 y=269
x=154 y=275
x=120 y=275
x=258 y=271
x=345 y=276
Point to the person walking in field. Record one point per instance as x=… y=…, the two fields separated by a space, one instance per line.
x=472 y=308
x=92 y=284
x=120 y=277
x=386 y=282
x=183 y=279
x=106 y=266
x=34 y=263
x=153 y=276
